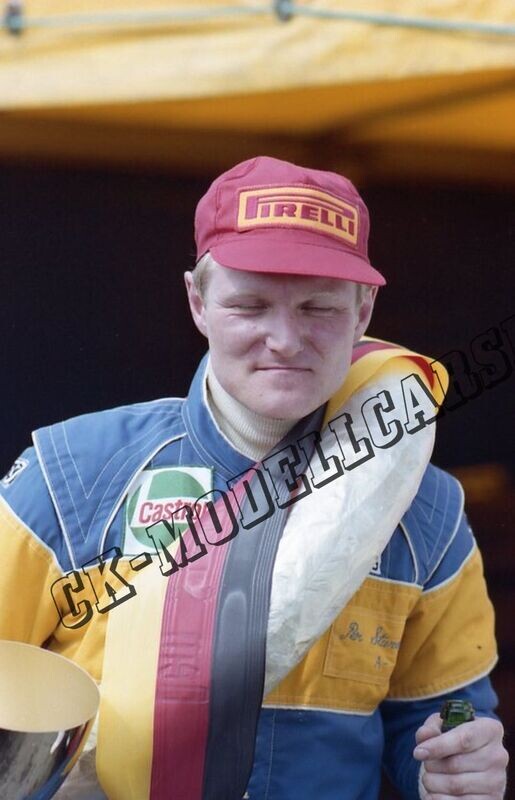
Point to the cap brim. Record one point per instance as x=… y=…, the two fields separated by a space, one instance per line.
x=275 y=255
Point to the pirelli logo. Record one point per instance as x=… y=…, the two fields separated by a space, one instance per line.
x=299 y=207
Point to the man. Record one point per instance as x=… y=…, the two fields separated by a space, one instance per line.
x=283 y=291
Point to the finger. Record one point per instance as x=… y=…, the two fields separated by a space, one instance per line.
x=437 y=796
x=431 y=727
x=489 y=757
x=466 y=738
x=466 y=784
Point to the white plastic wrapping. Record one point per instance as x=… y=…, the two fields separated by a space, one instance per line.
x=334 y=536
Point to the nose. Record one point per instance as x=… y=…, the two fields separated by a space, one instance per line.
x=284 y=335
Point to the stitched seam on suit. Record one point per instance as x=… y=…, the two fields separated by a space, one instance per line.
x=270 y=762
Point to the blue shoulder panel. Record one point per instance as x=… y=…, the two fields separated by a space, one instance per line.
x=89 y=461
x=26 y=493
x=433 y=519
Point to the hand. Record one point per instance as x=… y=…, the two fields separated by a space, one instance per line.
x=467 y=762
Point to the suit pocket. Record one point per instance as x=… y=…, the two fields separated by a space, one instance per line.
x=362 y=649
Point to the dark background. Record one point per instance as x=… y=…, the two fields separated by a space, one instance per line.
x=94 y=312
x=93 y=315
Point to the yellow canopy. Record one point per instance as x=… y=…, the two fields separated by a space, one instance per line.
x=127 y=82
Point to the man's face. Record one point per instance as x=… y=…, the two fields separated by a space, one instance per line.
x=280 y=344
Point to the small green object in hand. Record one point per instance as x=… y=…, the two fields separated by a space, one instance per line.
x=456 y=712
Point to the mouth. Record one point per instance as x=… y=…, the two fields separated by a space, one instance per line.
x=282 y=368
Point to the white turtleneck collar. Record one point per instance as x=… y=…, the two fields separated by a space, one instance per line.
x=250 y=433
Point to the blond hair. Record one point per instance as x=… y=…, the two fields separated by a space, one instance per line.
x=200 y=273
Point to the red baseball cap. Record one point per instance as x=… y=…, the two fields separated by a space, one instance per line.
x=267 y=215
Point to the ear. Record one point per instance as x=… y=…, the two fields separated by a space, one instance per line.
x=196 y=303
x=365 y=313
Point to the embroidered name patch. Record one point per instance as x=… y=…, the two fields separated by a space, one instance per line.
x=299 y=207
x=161 y=495
x=363 y=645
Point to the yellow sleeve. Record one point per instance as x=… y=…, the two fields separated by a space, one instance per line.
x=27 y=571
x=449 y=637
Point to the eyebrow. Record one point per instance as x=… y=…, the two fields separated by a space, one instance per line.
x=323 y=295
x=243 y=295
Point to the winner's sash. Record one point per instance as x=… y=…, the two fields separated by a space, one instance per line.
x=187 y=660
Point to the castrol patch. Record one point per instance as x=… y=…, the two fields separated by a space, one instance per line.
x=162 y=495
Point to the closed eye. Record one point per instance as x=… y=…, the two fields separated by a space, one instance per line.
x=322 y=310
x=247 y=308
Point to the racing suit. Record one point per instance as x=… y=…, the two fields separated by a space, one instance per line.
x=419 y=629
